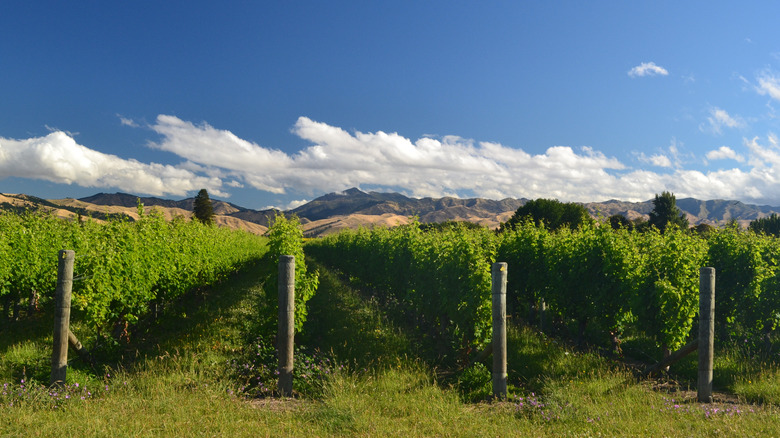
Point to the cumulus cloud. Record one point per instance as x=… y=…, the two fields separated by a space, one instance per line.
x=451 y=166
x=658 y=160
x=769 y=84
x=220 y=149
x=336 y=160
x=670 y=157
x=719 y=119
x=647 y=69
x=724 y=153
x=59 y=159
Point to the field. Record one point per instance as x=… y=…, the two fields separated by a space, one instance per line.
x=204 y=367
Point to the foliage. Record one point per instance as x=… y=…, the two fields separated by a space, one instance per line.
x=618 y=221
x=121 y=269
x=666 y=213
x=202 y=208
x=256 y=370
x=286 y=238
x=441 y=281
x=703 y=229
x=587 y=276
x=550 y=212
x=767 y=225
x=667 y=296
x=475 y=382
x=450 y=224
x=748 y=276
x=595 y=280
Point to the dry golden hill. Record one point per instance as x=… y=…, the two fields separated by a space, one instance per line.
x=168 y=213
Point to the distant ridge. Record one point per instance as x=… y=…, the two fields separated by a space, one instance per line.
x=130 y=201
x=353 y=208
x=355 y=201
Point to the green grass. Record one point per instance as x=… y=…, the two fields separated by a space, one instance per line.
x=355 y=330
x=174 y=379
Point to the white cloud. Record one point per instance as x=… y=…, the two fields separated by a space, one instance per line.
x=336 y=160
x=450 y=165
x=296 y=204
x=220 y=149
x=769 y=84
x=290 y=206
x=127 y=122
x=724 y=153
x=658 y=160
x=59 y=159
x=669 y=158
x=719 y=119
x=647 y=69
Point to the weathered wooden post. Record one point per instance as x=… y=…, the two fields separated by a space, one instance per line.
x=59 y=357
x=542 y=314
x=706 y=333
x=285 y=340
x=499 y=273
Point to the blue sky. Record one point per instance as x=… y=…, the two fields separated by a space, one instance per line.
x=275 y=103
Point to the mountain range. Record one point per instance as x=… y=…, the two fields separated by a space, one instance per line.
x=353 y=208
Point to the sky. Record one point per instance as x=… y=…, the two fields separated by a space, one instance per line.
x=276 y=103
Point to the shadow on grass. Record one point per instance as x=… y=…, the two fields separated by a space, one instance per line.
x=213 y=319
x=355 y=330
x=217 y=317
x=359 y=331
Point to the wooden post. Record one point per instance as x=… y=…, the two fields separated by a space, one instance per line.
x=499 y=273
x=672 y=358
x=59 y=357
x=706 y=333
x=80 y=350
x=542 y=314
x=285 y=336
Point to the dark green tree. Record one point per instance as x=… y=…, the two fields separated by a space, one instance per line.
x=552 y=213
x=202 y=209
x=703 y=230
x=450 y=225
x=767 y=225
x=665 y=213
x=618 y=221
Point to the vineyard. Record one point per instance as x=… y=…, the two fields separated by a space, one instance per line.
x=123 y=270
x=388 y=323
x=608 y=284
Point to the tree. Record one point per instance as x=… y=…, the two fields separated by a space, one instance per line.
x=618 y=221
x=203 y=209
x=665 y=213
x=552 y=213
x=703 y=229
x=767 y=225
x=450 y=225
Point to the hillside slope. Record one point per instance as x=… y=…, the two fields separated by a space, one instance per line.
x=354 y=208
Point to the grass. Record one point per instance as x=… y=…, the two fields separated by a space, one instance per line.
x=176 y=379
x=355 y=330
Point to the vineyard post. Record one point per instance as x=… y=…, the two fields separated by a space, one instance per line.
x=286 y=323
x=542 y=314
x=59 y=357
x=706 y=333
x=499 y=273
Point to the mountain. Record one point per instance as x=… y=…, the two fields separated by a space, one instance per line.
x=353 y=201
x=221 y=208
x=131 y=201
x=715 y=212
x=354 y=208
